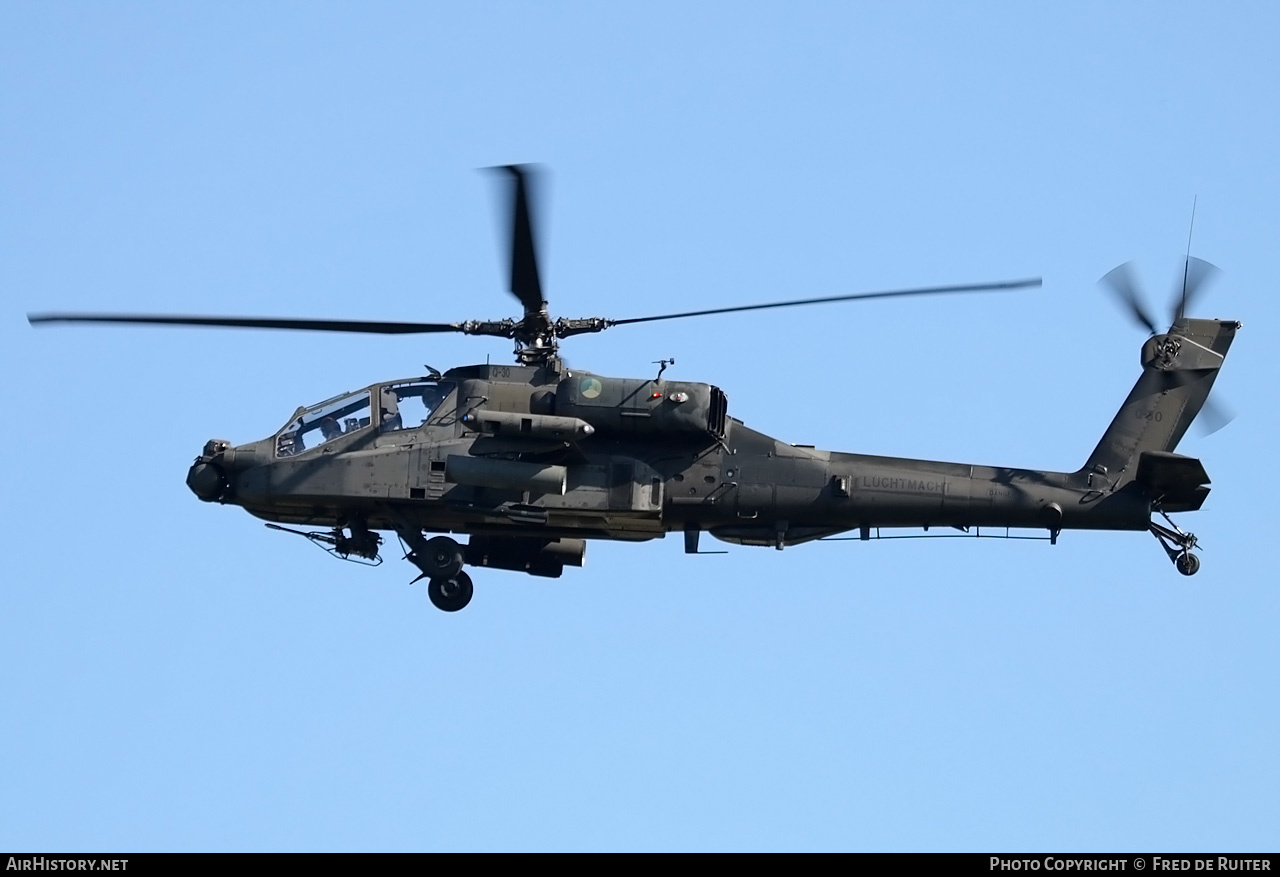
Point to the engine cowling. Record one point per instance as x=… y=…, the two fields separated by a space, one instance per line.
x=629 y=406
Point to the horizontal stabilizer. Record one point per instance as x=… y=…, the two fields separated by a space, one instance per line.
x=1178 y=482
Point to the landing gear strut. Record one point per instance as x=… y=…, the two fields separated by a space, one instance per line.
x=440 y=558
x=1177 y=543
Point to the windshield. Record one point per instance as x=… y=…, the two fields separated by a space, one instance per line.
x=323 y=423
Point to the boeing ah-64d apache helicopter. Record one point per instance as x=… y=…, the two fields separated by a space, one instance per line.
x=531 y=460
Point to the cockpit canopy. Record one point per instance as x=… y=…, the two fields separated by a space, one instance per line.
x=401 y=406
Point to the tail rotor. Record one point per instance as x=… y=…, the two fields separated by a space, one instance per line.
x=1124 y=286
x=1195 y=275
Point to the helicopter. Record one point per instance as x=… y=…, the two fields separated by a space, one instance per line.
x=531 y=461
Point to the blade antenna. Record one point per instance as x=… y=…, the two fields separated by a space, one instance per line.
x=1186 y=265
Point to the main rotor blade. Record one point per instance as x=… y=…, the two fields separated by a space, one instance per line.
x=1121 y=282
x=367 y=326
x=857 y=296
x=1196 y=273
x=525 y=284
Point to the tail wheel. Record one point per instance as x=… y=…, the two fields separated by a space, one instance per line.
x=1187 y=563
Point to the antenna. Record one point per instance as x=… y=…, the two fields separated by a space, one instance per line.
x=1186 y=263
x=1194 y=198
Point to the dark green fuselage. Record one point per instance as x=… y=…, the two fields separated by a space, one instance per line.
x=542 y=453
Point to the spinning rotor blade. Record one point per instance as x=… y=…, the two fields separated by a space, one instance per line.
x=1213 y=417
x=377 y=328
x=1121 y=282
x=1196 y=273
x=525 y=284
x=1213 y=414
x=858 y=296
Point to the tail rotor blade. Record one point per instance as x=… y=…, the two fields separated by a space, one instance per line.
x=1213 y=417
x=1124 y=287
x=1196 y=274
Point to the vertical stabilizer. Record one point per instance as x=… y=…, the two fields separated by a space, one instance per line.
x=1178 y=370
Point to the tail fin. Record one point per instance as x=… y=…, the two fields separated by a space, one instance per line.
x=1178 y=370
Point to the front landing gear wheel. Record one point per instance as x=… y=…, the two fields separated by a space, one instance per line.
x=1187 y=563
x=451 y=594
x=441 y=558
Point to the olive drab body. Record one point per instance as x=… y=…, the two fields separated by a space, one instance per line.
x=466 y=452
x=530 y=461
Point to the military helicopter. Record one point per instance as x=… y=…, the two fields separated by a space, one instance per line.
x=531 y=460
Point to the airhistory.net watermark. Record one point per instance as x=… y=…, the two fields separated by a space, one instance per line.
x=44 y=863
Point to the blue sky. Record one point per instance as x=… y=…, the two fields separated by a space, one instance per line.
x=173 y=676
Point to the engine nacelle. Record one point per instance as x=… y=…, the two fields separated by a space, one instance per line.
x=640 y=407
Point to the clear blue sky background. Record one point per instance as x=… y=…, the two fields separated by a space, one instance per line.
x=173 y=676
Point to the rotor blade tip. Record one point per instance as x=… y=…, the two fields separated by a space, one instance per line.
x=1213 y=417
